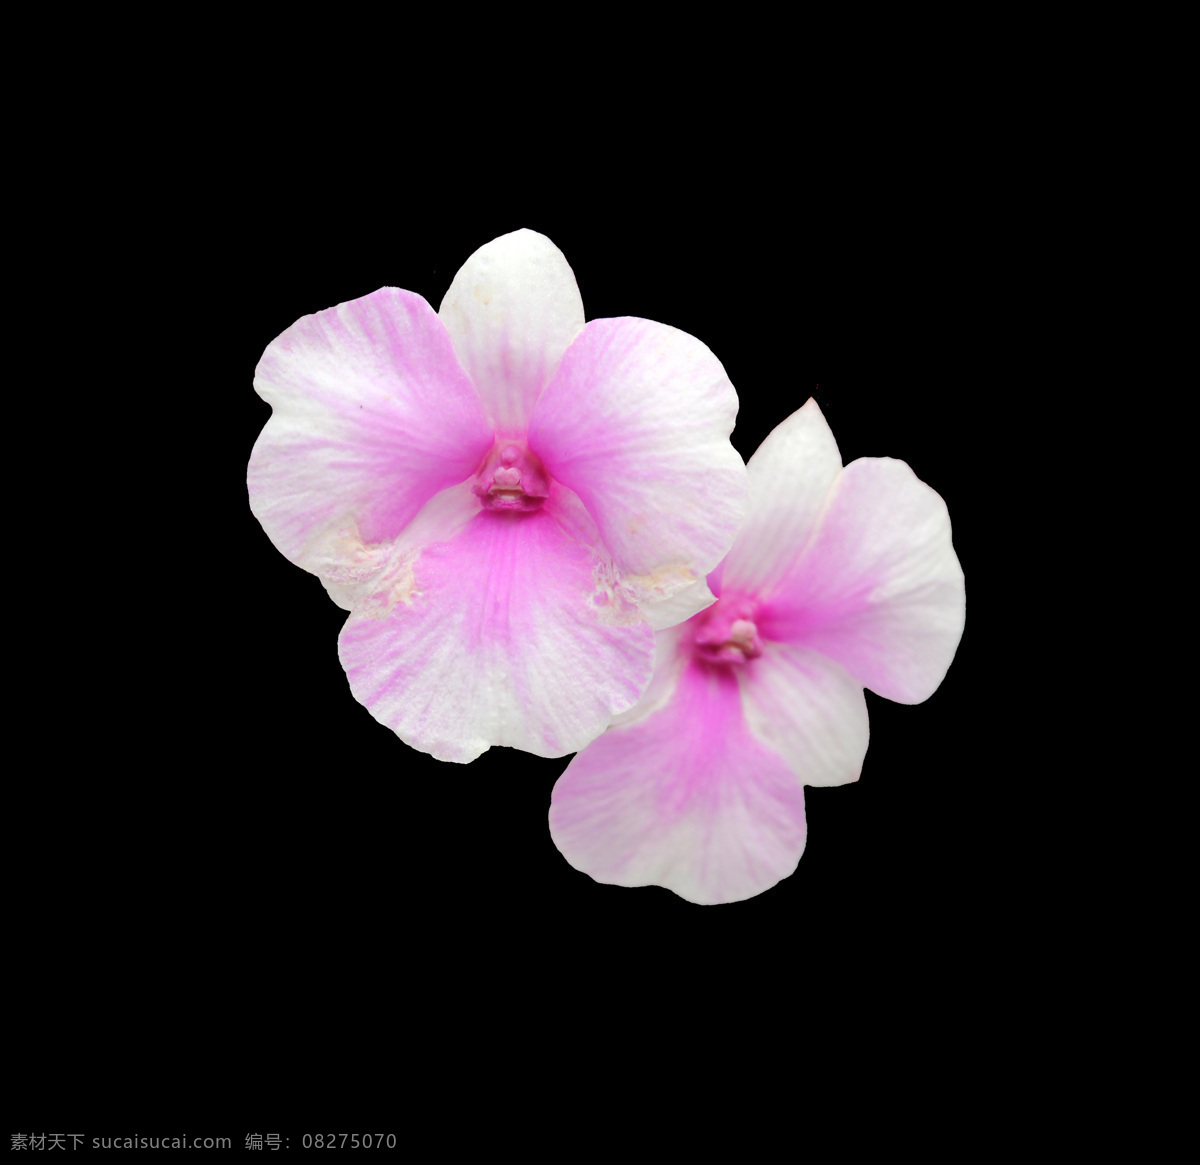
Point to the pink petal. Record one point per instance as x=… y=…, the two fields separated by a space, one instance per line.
x=509 y=633
x=637 y=421
x=686 y=798
x=879 y=587
x=372 y=416
x=512 y=311
x=808 y=710
x=790 y=474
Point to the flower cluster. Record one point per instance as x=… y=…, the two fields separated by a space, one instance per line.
x=545 y=540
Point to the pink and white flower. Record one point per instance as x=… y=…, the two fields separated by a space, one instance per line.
x=840 y=579
x=507 y=500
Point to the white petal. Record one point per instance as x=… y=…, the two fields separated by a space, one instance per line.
x=512 y=311
x=809 y=710
x=680 y=607
x=790 y=475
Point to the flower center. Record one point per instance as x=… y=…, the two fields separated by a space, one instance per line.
x=512 y=478
x=725 y=632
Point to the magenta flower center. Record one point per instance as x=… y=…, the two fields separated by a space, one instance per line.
x=725 y=632
x=511 y=478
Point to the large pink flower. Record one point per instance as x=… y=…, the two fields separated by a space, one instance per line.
x=508 y=501
x=840 y=578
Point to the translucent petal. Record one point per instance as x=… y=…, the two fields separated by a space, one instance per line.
x=680 y=607
x=672 y=653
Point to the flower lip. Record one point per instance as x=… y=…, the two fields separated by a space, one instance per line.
x=726 y=632
x=512 y=478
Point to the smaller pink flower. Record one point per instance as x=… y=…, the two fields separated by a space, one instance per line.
x=840 y=579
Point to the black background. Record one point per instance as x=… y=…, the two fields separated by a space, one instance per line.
x=234 y=852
